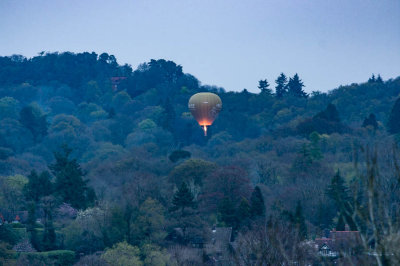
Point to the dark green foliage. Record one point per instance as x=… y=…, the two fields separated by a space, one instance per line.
x=243 y=212
x=370 y=121
x=35 y=121
x=372 y=79
x=339 y=193
x=325 y=122
x=227 y=212
x=38 y=186
x=257 y=203
x=7 y=234
x=295 y=87
x=263 y=85
x=330 y=114
x=340 y=226
x=31 y=225
x=281 y=86
x=394 y=118
x=55 y=257
x=182 y=199
x=315 y=150
x=178 y=155
x=300 y=221
x=69 y=183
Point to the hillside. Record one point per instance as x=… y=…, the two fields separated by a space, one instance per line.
x=126 y=129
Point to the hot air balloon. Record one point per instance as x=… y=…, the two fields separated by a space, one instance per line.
x=205 y=107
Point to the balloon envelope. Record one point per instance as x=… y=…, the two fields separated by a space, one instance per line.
x=205 y=107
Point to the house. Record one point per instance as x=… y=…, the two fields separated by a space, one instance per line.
x=339 y=242
x=217 y=247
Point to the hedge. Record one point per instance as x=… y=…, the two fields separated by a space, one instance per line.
x=53 y=258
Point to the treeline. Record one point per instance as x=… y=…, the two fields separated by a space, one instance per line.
x=98 y=157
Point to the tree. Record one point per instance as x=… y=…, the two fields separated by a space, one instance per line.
x=38 y=186
x=340 y=226
x=182 y=199
x=122 y=254
x=330 y=114
x=339 y=193
x=370 y=121
x=300 y=221
x=379 y=79
x=227 y=212
x=243 y=212
x=315 y=150
x=263 y=85
x=372 y=79
x=69 y=183
x=394 y=118
x=49 y=234
x=281 y=86
x=257 y=203
x=33 y=119
x=295 y=87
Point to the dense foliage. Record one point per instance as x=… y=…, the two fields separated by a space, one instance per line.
x=95 y=156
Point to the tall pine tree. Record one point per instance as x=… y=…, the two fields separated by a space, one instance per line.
x=182 y=199
x=69 y=183
x=257 y=203
x=295 y=87
x=281 y=83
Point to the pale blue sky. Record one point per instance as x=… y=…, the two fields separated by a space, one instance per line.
x=232 y=44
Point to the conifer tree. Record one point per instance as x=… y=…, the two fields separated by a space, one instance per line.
x=263 y=85
x=69 y=183
x=372 y=79
x=340 y=226
x=257 y=203
x=182 y=199
x=339 y=192
x=379 y=79
x=281 y=88
x=227 y=212
x=38 y=186
x=370 y=121
x=394 y=118
x=300 y=221
x=295 y=87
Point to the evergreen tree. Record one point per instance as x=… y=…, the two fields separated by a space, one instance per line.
x=69 y=183
x=182 y=199
x=379 y=79
x=394 y=118
x=168 y=117
x=341 y=225
x=339 y=192
x=49 y=234
x=370 y=121
x=38 y=186
x=257 y=203
x=315 y=150
x=372 y=79
x=244 y=209
x=281 y=88
x=31 y=224
x=295 y=87
x=300 y=221
x=227 y=213
x=263 y=85
x=330 y=114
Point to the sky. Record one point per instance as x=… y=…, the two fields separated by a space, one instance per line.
x=228 y=43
